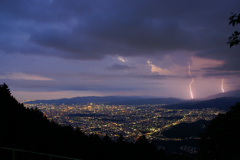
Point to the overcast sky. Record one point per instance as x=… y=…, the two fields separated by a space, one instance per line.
x=67 y=48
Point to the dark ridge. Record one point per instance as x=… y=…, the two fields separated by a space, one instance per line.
x=219 y=103
x=84 y=100
x=111 y=100
x=235 y=93
x=149 y=101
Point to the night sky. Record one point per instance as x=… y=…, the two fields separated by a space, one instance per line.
x=66 y=48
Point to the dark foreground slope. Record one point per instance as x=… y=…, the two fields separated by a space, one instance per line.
x=221 y=138
x=29 y=129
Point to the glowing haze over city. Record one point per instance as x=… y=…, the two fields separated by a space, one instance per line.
x=60 y=49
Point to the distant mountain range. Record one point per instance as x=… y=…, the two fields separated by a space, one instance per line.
x=235 y=93
x=221 y=101
x=111 y=100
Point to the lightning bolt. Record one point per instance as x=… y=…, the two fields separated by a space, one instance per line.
x=222 y=86
x=190 y=84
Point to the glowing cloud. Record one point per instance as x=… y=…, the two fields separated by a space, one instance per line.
x=122 y=59
x=192 y=81
x=23 y=76
x=157 y=69
x=202 y=63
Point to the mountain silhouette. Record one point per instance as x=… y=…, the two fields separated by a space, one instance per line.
x=220 y=103
x=110 y=100
x=235 y=93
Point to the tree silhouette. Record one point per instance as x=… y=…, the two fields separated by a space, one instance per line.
x=142 y=141
x=107 y=139
x=120 y=139
x=4 y=90
x=234 y=38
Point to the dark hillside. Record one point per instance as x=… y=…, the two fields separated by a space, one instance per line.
x=29 y=129
x=221 y=137
x=186 y=130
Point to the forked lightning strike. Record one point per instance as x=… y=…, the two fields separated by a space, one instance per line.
x=222 y=86
x=190 y=84
x=190 y=87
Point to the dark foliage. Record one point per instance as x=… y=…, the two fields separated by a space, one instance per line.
x=234 y=38
x=221 y=139
x=29 y=129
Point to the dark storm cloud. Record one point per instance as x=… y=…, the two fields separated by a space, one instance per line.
x=92 y=30
x=58 y=85
x=214 y=73
x=116 y=67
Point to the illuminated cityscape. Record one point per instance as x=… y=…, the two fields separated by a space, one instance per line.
x=129 y=120
x=120 y=79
